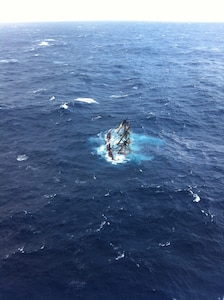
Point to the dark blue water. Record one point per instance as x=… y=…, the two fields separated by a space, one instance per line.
x=75 y=226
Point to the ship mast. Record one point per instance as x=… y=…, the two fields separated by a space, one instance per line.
x=124 y=134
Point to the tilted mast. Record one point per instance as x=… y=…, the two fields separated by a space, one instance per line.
x=118 y=140
x=124 y=141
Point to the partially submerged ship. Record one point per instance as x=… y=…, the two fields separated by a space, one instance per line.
x=118 y=141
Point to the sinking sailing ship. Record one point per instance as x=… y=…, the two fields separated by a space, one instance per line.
x=118 y=141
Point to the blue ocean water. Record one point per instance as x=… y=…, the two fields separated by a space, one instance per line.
x=72 y=224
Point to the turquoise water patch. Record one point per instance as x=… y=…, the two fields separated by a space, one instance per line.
x=143 y=148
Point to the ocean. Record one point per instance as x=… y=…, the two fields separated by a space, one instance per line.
x=73 y=223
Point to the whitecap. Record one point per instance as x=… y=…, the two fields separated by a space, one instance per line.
x=164 y=244
x=50 y=40
x=50 y=196
x=39 y=90
x=121 y=255
x=105 y=222
x=77 y=181
x=8 y=61
x=44 y=43
x=86 y=100
x=205 y=213
x=22 y=157
x=21 y=249
x=119 y=96
x=101 y=226
x=52 y=98
x=96 y=118
x=196 y=198
x=61 y=63
x=64 y=106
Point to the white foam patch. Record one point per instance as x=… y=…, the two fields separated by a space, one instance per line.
x=120 y=256
x=140 y=145
x=39 y=91
x=64 y=106
x=105 y=222
x=164 y=244
x=44 y=43
x=21 y=249
x=118 y=158
x=8 y=61
x=208 y=214
x=77 y=181
x=22 y=157
x=195 y=196
x=96 y=118
x=86 y=100
x=119 y=96
x=101 y=226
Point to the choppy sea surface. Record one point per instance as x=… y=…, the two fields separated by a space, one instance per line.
x=73 y=225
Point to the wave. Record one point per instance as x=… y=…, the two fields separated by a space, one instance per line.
x=86 y=100
x=46 y=42
x=9 y=61
x=119 y=96
x=64 y=106
x=22 y=157
x=96 y=118
x=40 y=90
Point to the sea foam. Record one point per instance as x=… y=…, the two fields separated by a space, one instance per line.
x=64 y=106
x=22 y=157
x=86 y=100
x=140 y=148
